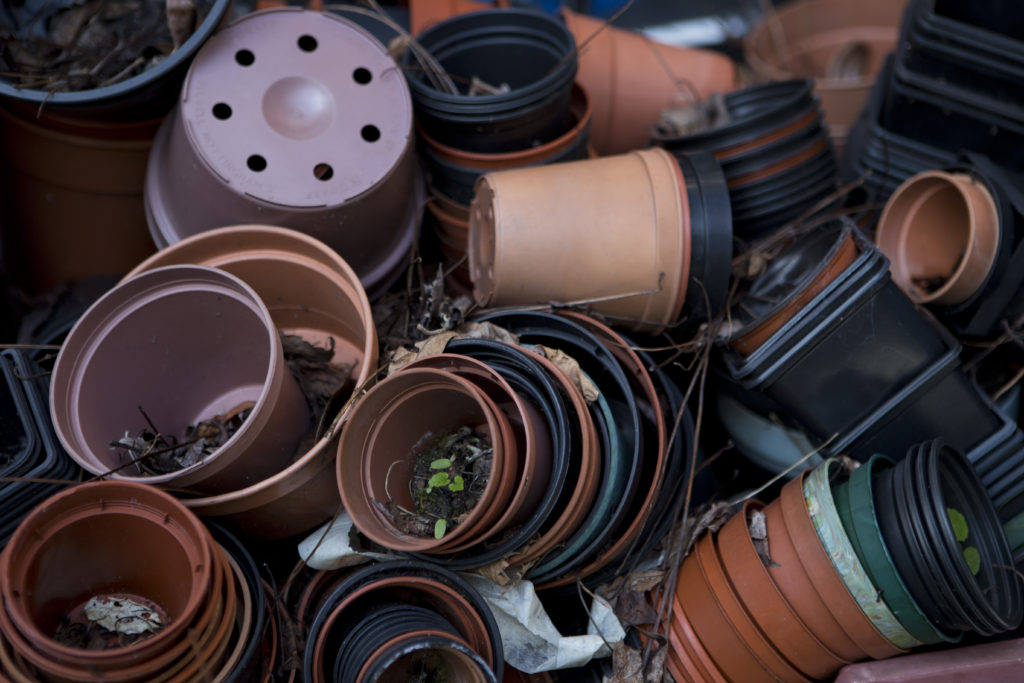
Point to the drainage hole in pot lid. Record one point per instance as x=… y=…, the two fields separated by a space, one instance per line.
x=323 y=172
x=370 y=133
x=256 y=162
x=362 y=76
x=245 y=57
x=222 y=111
x=307 y=43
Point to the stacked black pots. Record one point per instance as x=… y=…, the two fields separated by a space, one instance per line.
x=827 y=340
x=946 y=542
x=398 y=620
x=29 y=442
x=774 y=149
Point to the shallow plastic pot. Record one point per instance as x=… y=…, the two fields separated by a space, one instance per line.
x=622 y=221
x=266 y=132
x=186 y=343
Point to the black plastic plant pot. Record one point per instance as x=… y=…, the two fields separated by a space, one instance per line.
x=18 y=439
x=624 y=437
x=710 y=235
x=754 y=113
x=248 y=667
x=532 y=52
x=375 y=594
x=991 y=29
x=533 y=384
x=149 y=94
x=444 y=658
x=947 y=542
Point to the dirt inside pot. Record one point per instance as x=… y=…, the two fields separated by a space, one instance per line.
x=449 y=475
x=70 y=45
x=104 y=622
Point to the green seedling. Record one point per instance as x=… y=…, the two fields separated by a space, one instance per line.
x=961 y=531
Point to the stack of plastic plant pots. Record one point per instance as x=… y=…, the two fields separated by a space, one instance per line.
x=774 y=149
x=30 y=446
x=834 y=345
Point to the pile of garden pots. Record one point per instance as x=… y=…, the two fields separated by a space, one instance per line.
x=636 y=307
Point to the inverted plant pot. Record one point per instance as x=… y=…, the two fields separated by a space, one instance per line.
x=623 y=220
x=266 y=133
x=148 y=94
x=383 y=436
x=186 y=343
x=940 y=232
x=531 y=52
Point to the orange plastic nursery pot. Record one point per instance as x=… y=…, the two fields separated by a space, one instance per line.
x=267 y=132
x=187 y=344
x=387 y=428
x=173 y=564
x=940 y=232
x=312 y=292
x=622 y=221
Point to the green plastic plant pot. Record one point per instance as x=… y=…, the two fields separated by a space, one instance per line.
x=855 y=503
x=822 y=509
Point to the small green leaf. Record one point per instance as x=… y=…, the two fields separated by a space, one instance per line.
x=959 y=523
x=441 y=464
x=457 y=484
x=973 y=558
x=438 y=480
x=440 y=526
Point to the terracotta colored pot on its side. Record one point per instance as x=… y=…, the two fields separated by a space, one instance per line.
x=631 y=79
x=940 y=232
x=622 y=222
x=380 y=441
x=186 y=343
x=321 y=297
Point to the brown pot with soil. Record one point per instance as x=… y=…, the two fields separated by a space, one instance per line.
x=183 y=369
x=311 y=292
x=940 y=232
x=622 y=221
x=145 y=573
x=424 y=462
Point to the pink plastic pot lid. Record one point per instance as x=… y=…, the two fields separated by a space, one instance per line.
x=297 y=108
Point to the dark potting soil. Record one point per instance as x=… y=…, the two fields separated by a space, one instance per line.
x=449 y=475
x=105 y=622
x=68 y=45
x=423 y=666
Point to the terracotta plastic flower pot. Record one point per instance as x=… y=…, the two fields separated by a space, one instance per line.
x=841 y=45
x=299 y=496
x=186 y=343
x=384 y=432
x=823 y=575
x=826 y=520
x=530 y=51
x=856 y=506
x=989 y=661
x=687 y=646
x=85 y=527
x=631 y=79
x=732 y=654
x=266 y=132
x=624 y=222
x=940 y=232
x=532 y=456
x=72 y=202
x=766 y=604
